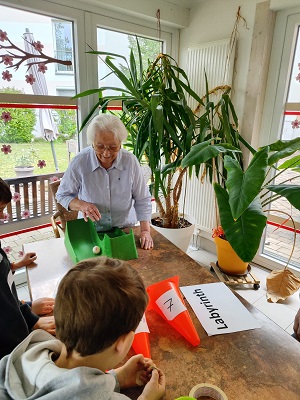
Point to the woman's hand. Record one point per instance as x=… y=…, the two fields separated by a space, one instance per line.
x=89 y=210
x=156 y=387
x=46 y=323
x=136 y=371
x=42 y=306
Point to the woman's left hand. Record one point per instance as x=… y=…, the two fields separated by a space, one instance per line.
x=146 y=240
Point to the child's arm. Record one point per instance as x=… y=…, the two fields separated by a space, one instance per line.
x=26 y=260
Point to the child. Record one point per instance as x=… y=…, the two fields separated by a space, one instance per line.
x=17 y=318
x=98 y=306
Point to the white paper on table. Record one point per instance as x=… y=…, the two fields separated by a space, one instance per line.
x=218 y=309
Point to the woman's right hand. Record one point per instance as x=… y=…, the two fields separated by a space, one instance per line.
x=156 y=387
x=89 y=210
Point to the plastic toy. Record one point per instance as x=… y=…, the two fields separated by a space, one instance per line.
x=141 y=343
x=167 y=301
x=81 y=238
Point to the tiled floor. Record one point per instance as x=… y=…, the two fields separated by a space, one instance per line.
x=282 y=313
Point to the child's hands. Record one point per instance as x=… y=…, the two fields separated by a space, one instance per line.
x=136 y=371
x=156 y=387
x=42 y=306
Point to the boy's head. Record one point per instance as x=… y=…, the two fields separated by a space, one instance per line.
x=5 y=196
x=97 y=301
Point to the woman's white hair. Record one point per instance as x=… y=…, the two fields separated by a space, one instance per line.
x=104 y=123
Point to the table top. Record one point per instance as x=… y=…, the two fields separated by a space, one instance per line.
x=257 y=364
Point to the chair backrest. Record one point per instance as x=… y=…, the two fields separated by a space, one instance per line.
x=63 y=214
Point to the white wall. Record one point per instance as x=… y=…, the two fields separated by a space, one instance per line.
x=214 y=20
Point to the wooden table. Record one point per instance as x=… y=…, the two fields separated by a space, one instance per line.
x=259 y=364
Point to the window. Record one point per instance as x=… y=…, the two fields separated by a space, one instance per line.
x=282 y=121
x=63 y=45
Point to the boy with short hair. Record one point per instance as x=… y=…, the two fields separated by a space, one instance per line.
x=17 y=318
x=98 y=307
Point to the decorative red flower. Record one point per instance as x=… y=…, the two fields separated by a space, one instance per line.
x=7 y=60
x=30 y=79
x=218 y=232
x=42 y=67
x=41 y=163
x=21 y=253
x=26 y=214
x=3 y=35
x=38 y=46
x=296 y=124
x=298 y=78
x=54 y=178
x=7 y=249
x=6 y=76
x=6 y=116
x=6 y=148
x=16 y=197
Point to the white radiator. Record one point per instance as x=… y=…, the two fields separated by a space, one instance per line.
x=217 y=61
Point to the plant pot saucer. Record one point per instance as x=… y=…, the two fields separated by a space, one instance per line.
x=227 y=273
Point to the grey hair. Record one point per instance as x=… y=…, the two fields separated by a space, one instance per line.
x=106 y=123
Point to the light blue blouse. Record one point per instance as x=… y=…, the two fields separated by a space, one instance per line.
x=120 y=193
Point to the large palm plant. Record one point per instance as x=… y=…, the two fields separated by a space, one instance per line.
x=162 y=125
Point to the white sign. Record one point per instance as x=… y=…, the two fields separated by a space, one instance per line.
x=218 y=309
x=170 y=304
x=143 y=326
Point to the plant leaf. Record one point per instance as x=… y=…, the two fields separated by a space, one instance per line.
x=242 y=186
x=281 y=284
x=290 y=192
x=243 y=234
x=283 y=149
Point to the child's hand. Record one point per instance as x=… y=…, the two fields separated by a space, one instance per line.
x=156 y=387
x=26 y=260
x=47 y=324
x=42 y=306
x=136 y=371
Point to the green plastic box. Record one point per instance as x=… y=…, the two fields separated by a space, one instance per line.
x=81 y=237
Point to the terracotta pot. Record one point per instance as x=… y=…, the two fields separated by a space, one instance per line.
x=228 y=260
x=180 y=237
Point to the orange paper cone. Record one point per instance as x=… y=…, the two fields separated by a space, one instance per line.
x=166 y=300
x=140 y=342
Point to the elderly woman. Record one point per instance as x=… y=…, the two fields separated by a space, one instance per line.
x=105 y=182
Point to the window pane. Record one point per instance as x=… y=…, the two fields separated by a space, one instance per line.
x=25 y=140
x=122 y=43
x=22 y=28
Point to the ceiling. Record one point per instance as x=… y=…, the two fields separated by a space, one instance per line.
x=186 y=3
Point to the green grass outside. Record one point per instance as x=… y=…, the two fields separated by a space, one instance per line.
x=44 y=152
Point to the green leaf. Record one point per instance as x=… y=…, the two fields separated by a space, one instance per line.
x=293 y=162
x=283 y=149
x=244 y=234
x=242 y=186
x=290 y=192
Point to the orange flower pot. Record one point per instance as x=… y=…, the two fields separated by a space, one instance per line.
x=228 y=260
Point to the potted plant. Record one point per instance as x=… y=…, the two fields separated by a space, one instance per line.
x=162 y=126
x=24 y=162
x=244 y=195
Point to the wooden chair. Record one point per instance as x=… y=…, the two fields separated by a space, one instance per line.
x=61 y=213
